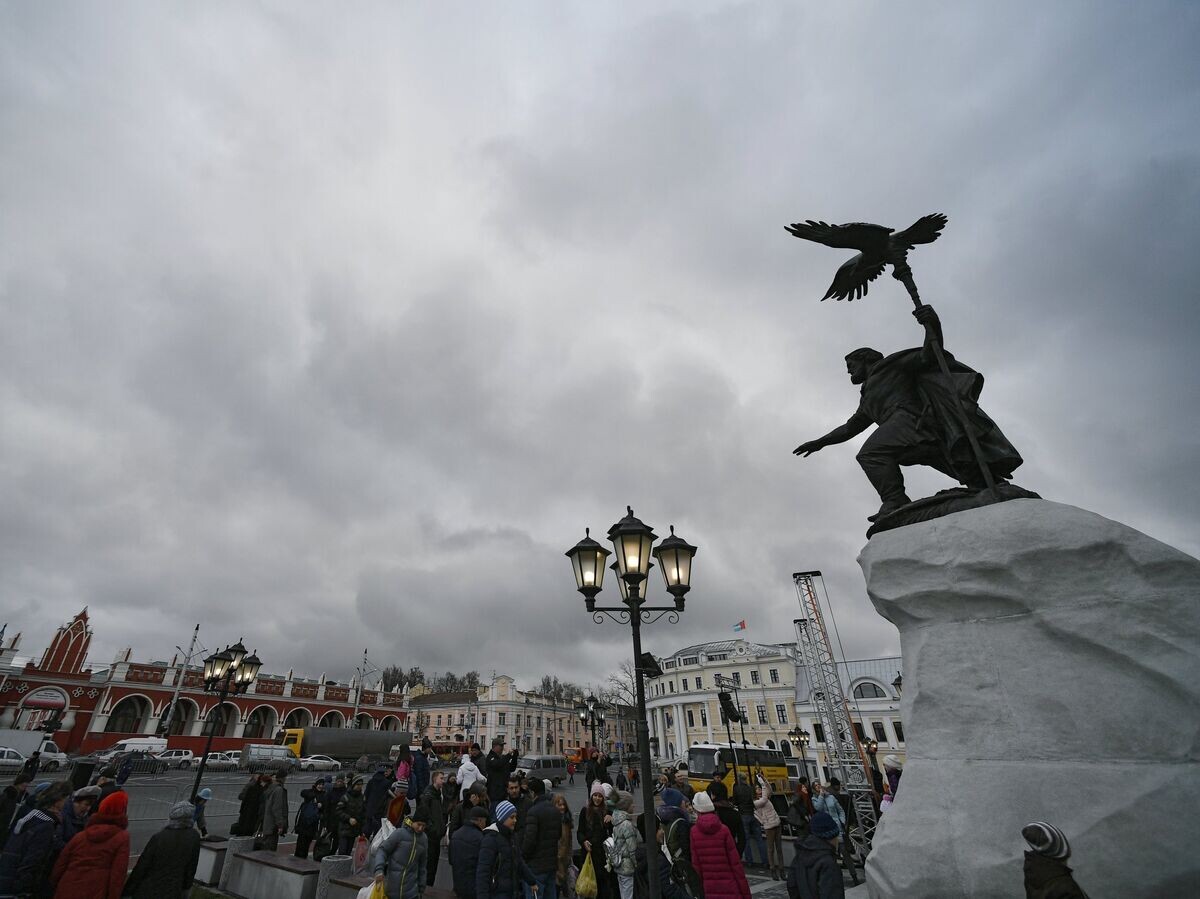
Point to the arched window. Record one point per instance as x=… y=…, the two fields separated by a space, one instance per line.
x=332 y=719
x=868 y=690
x=183 y=715
x=770 y=744
x=220 y=721
x=261 y=723
x=786 y=748
x=128 y=717
x=365 y=722
x=297 y=718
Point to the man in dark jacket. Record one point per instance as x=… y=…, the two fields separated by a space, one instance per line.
x=351 y=812
x=376 y=797
x=496 y=768
x=814 y=873
x=309 y=816
x=250 y=810
x=501 y=870
x=521 y=800
x=167 y=866
x=729 y=815
x=430 y=804
x=539 y=843
x=34 y=845
x=75 y=813
x=329 y=822
x=11 y=799
x=676 y=824
x=418 y=778
x=464 y=851
x=32 y=764
x=106 y=780
x=476 y=798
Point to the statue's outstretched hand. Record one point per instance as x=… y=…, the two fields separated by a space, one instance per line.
x=807 y=449
x=926 y=316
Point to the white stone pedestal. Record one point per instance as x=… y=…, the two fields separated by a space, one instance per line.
x=1051 y=673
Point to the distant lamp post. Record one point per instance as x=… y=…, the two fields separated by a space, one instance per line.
x=800 y=737
x=591 y=715
x=872 y=747
x=633 y=544
x=898 y=682
x=228 y=672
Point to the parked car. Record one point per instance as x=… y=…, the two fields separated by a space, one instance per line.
x=220 y=761
x=319 y=763
x=148 y=745
x=11 y=761
x=236 y=755
x=144 y=762
x=177 y=758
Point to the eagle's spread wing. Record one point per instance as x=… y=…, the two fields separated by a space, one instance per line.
x=852 y=278
x=854 y=236
x=926 y=229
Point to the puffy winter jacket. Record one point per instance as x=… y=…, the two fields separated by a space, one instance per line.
x=29 y=854
x=352 y=808
x=402 y=856
x=543 y=831
x=468 y=774
x=678 y=834
x=464 y=859
x=828 y=804
x=717 y=860
x=167 y=866
x=501 y=870
x=376 y=795
x=764 y=811
x=814 y=873
x=626 y=840
x=94 y=863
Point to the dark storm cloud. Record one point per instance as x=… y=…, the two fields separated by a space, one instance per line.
x=333 y=331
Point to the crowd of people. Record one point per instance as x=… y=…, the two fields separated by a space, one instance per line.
x=506 y=834
x=64 y=843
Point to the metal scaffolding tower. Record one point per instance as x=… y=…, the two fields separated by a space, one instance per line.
x=842 y=748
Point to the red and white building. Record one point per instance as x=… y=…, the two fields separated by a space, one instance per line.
x=100 y=707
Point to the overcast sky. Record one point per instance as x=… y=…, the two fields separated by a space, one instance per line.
x=333 y=325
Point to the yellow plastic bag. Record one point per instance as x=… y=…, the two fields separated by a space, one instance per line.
x=585 y=883
x=374 y=891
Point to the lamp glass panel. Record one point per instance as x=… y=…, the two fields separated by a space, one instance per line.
x=237 y=652
x=221 y=663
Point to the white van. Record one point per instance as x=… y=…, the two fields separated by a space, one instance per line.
x=268 y=757
x=544 y=767
x=151 y=745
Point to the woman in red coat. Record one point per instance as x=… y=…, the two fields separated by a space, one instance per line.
x=93 y=865
x=714 y=854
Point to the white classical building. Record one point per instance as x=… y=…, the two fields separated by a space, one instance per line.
x=775 y=697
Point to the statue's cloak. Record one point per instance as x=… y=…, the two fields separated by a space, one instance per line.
x=940 y=418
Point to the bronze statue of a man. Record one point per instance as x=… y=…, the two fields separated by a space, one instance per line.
x=913 y=404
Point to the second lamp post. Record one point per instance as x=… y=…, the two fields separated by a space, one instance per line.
x=227 y=672
x=633 y=543
x=591 y=715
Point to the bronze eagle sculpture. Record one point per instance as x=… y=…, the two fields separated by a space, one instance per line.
x=877 y=247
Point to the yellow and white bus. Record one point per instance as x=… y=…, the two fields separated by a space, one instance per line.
x=706 y=759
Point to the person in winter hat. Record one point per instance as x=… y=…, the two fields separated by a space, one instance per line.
x=626 y=841
x=275 y=819
x=198 y=815
x=715 y=855
x=167 y=866
x=397 y=808
x=1047 y=875
x=351 y=816
x=676 y=823
x=814 y=873
x=34 y=844
x=94 y=863
x=400 y=859
x=825 y=801
x=11 y=800
x=76 y=812
x=541 y=837
x=501 y=869
x=464 y=849
x=593 y=828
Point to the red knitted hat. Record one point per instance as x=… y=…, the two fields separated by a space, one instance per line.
x=115 y=804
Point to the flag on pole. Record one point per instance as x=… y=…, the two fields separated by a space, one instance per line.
x=740 y=626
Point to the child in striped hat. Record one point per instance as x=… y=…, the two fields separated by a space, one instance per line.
x=1046 y=870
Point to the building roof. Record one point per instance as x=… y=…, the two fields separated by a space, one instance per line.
x=443 y=698
x=718 y=646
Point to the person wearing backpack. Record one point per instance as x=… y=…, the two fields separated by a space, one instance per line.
x=308 y=818
x=675 y=827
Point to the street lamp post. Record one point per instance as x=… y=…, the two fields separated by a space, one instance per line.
x=228 y=672
x=591 y=715
x=633 y=542
x=801 y=737
x=872 y=747
x=898 y=682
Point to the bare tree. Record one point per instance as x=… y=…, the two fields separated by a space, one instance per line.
x=621 y=687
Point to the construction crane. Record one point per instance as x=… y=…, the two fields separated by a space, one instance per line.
x=842 y=748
